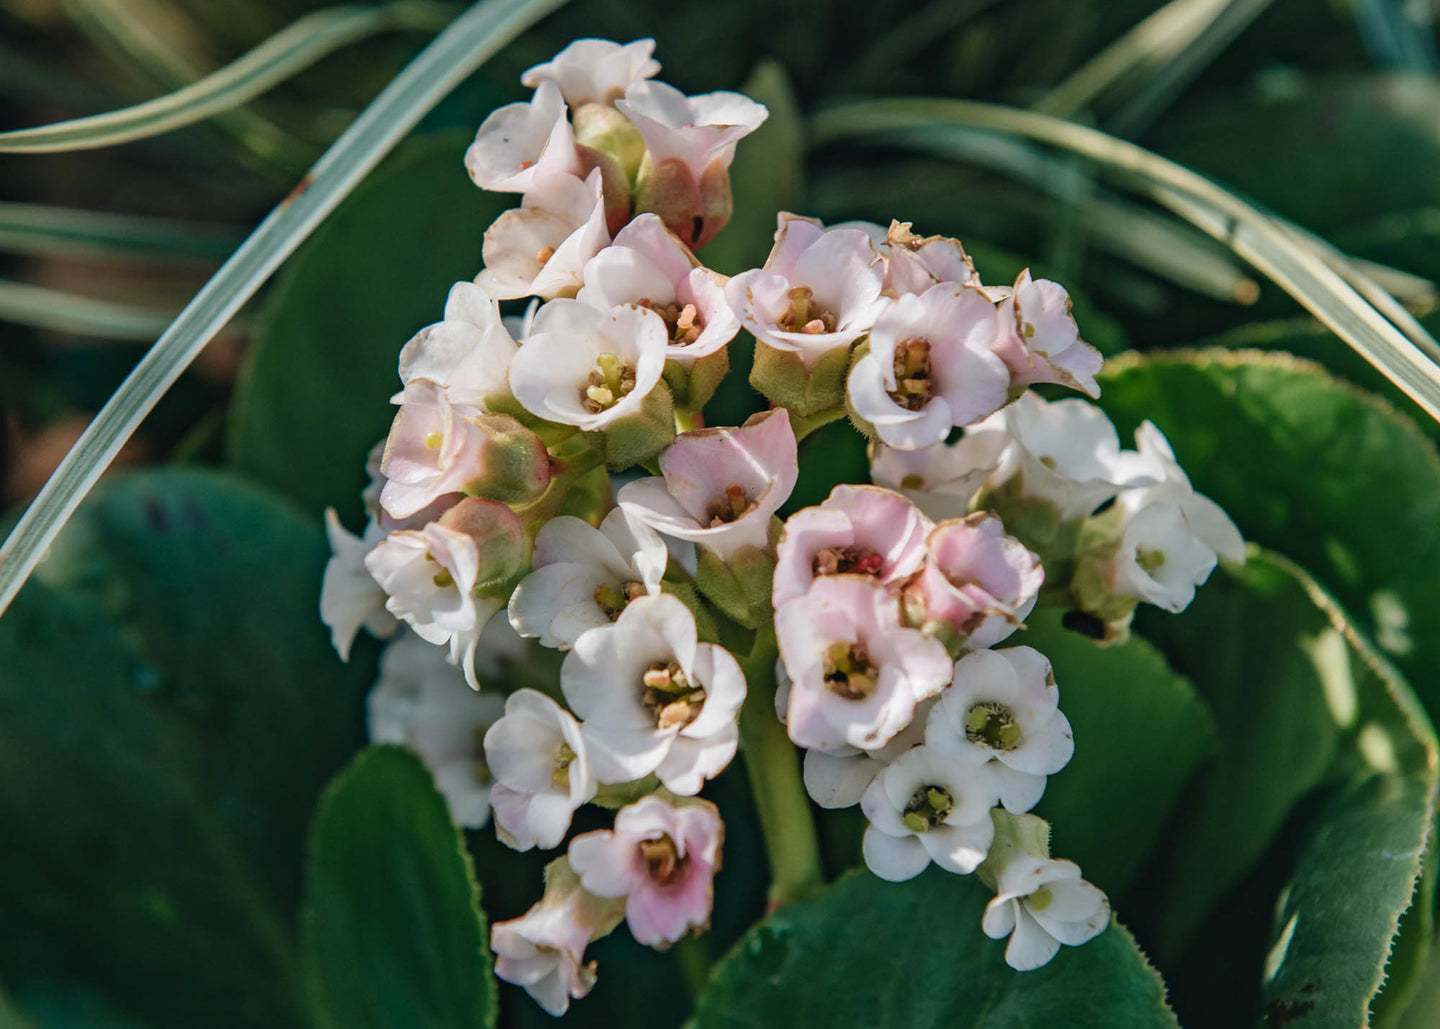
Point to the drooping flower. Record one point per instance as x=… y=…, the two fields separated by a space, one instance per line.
x=585 y=367
x=1003 y=707
x=1041 y=904
x=542 y=771
x=653 y=698
x=541 y=247
x=467 y=353
x=595 y=71
x=856 y=673
x=1040 y=341
x=519 y=142
x=662 y=860
x=350 y=598
x=1160 y=559
x=858 y=530
x=584 y=577
x=930 y=367
x=1160 y=479
x=421 y=701
x=720 y=486
x=818 y=290
x=942 y=479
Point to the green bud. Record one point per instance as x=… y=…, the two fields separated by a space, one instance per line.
x=740 y=587
x=499 y=537
x=640 y=437
x=786 y=382
x=517 y=464
x=1014 y=835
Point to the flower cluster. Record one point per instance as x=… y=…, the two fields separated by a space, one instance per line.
x=504 y=518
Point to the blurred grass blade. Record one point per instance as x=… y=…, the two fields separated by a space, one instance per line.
x=454 y=54
x=286 y=53
x=71 y=232
x=56 y=309
x=1266 y=242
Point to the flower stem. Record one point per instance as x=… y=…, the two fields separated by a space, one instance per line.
x=687 y=420
x=773 y=765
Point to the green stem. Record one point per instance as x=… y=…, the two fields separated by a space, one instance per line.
x=773 y=765
x=693 y=954
x=687 y=420
x=566 y=471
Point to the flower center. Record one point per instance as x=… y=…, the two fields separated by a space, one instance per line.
x=663 y=862
x=612 y=599
x=928 y=807
x=560 y=777
x=1040 y=899
x=734 y=505
x=847 y=561
x=609 y=382
x=913 y=481
x=848 y=671
x=670 y=696
x=912 y=374
x=683 y=321
x=805 y=315
x=1150 y=561
x=992 y=725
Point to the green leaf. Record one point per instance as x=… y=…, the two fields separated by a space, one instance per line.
x=392 y=933
x=1140 y=731
x=315 y=396
x=864 y=952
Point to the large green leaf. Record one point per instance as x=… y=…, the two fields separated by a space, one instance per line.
x=314 y=397
x=864 y=952
x=392 y=934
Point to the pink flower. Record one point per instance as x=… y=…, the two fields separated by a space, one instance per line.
x=518 y=142
x=595 y=71
x=720 y=486
x=695 y=130
x=913 y=264
x=819 y=290
x=860 y=530
x=1040 y=341
x=978 y=585
x=662 y=860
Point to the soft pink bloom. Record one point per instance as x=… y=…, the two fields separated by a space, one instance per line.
x=856 y=673
x=519 y=142
x=1040 y=341
x=978 y=585
x=819 y=290
x=720 y=486
x=914 y=263
x=595 y=71
x=1041 y=904
x=662 y=860
x=541 y=247
x=695 y=130
x=861 y=530
x=538 y=758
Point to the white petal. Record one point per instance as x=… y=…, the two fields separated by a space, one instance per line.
x=894 y=858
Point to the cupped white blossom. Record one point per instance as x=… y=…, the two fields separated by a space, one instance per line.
x=585 y=367
x=519 y=142
x=1160 y=560
x=648 y=265
x=595 y=71
x=422 y=702
x=537 y=756
x=350 y=598
x=931 y=803
x=694 y=130
x=856 y=673
x=653 y=698
x=1003 y=707
x=1160 y=479
x=1040 y=341
x=720 y=486
x=819 y=290
x=1041 y=904
x=662 y=860
x=584 y=577
x=467 y=353
x=1063 y=451
x=930 y=367
x=838 y=778
x=541 y=247
x=942 y=479
x=858 y=530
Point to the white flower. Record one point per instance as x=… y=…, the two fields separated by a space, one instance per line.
x=541 y=247
x=819 y=290
x=350 y=598
x=595 y=71
x=519 y=142
x=584 y=367
x=648 y=265
x=421 y=701
x=942 y=479
x=839 y=778
x=1160 y=559
x=1041 y=904
x=1041 y=342
x=653 y=698
x=1004 y=705
x=931 y=804
x=584 y=577
x=467 y=353
x=721 y=485
x=1160 y=478
x=537 y=755
x=1066 y=452
x=930 y=367
x=694 y=130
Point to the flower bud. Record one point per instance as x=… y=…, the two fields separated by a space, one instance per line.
x=786 y=381
x=516 y=466
x=499 y=539
x=640 y=437
x=603 y=130
x=695 y=209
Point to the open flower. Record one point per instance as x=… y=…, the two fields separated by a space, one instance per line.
x=519 y=142
x=653 y=698
x=1040 y=341
x=838 y=778
x=350 y=598
x=819 y=290
x=940 y=480
x=585 y=367
x=541 y=247
x=856 y=673
x=648 y=266
x=1160 y=559
x=467 y=353
x=930 y=804
x=1041 y=904
x=537 y=755
x=595 y=71
x=421 y=701
x=858 y=530
x=930 y=367
x=720 y=486
x=662 y=860
x=1003 y=705
x=694 y=130
x=1161 y=479
x=978 y=583
x=584 y=577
